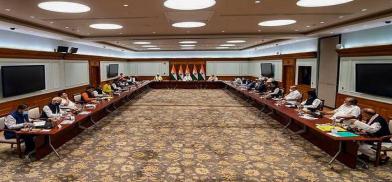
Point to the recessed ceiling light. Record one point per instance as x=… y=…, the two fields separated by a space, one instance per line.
x=66 y=27
x=222 y=47
x=257 y=2
x=188 y=45
x=273 y=23
x=154 y=48
x=340 y=17
x=149 y=46
x=236 y=41
x=32 y=17
x=8 y=9
x=188 y=42
x=189 y=4
x=322 y=22
x=125 y=5
x=364 y=10
x=51 y=22
x=188 y=24
x=64 y=7
x=307 y=26
x=227 y=45
x=106 y=26
x=141 y=43
x=321 y=3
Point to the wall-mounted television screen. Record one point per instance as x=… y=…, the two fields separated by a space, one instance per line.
x=304 y=75
x=112 y=70
x=18 y=80
x=267 y=69
x=374 y=79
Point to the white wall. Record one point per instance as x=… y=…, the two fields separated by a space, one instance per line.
x=227 y=68
x=122 y=68
x=149 y=68
x=369 y=37
x=308 y=62
x=57 y=75
x=347 y=76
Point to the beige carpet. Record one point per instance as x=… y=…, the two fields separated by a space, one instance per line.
x=185 y=135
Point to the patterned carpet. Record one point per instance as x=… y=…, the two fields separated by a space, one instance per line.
x=185 y=135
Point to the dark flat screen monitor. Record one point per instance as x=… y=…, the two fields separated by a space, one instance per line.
x=304 y=75
x=374 y=79
x=18 y=80
x=267 y=69
x=112 y=70
x=62 y=49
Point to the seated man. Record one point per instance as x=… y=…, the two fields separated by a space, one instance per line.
x=238 y=81
x=251 y=84
x=52 y=110
x=373 y=125
x=99 y=90
x=187 y=77
x=158 y=77
x=261 y=86
x=122 y=77
x=107 y=89
x=312 y=103
x=88 y=95
x=274 y=90
x=17 y=120
x=348 y=110
x=115 y=86
x=213 y=78
x=294 y=96
x=65 y=102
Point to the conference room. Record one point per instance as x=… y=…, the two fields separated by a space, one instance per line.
x=195 y=90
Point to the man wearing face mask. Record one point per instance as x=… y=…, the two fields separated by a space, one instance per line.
x=52 y=110
x=17 y=120
x=294 y=96
x=348 y=110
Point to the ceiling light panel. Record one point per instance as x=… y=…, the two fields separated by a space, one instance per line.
x=321 y=3
x=64 y=7
x=189 y=4
x=188 y=24
x=106 y=26
x=188 y=42
x=273 y=23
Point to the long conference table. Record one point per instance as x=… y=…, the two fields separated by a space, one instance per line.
x=343 y=149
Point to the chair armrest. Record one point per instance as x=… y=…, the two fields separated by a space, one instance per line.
x=8 y=130
x=386 y=137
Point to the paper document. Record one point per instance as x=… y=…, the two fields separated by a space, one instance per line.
x=65 y=122
x=84 y=113
x=39 y=123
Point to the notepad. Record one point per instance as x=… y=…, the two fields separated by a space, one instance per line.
x=328 y=128
x=344 y=134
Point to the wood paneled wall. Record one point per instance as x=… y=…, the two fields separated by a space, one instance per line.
x=41 y=100
x=37 y=101
x=384 y=50
x=383 y=109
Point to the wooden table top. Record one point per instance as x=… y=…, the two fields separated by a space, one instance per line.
x=82 y=117
x=293 y=113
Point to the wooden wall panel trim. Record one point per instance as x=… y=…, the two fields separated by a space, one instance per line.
x=302 y=55
x=383 y=109
x=29 y=54
x=21 y=54
x=382 y=50
x=187 y=60
x=39 y=100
